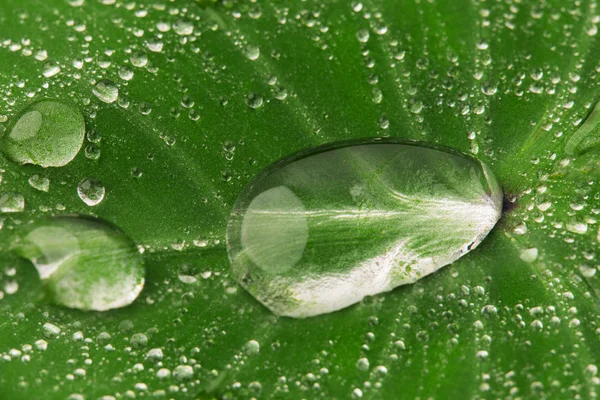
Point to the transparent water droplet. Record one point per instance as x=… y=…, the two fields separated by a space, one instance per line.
x=322 y=229
x=281 y=93
x=362 y=364
x=363 y=35
x=51 y=330
x=40 y=183
x=254 y=100
x=139 y=59
x=577 y=227
x=106 y=90
x=138 y=341
x=187 y=274
x=91 y=191
x=252 y=52
x=183 y=27
x=183 y=373
x=103 y=338
x=50 y=69
x=47 y=133
x=93 y=152
x=11 y=202
x=125 y=73
x=154 y=355
x=529 y=255
x=252 y=347
x=85 y=263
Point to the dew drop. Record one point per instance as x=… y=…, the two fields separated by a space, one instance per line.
x=106 y=91
x=529 y=255
x=40 y=183
x=183 y=27
x=91 y=191
x=47 y=133
x=320 y=230
x=252 y=52
x=85 y=263
x=51 y=68
x=254 y=100
x=51 y=330
x=252 y=347
x=11 y=202
x=139 y=341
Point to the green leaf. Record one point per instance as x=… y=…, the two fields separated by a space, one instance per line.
x=199 y=114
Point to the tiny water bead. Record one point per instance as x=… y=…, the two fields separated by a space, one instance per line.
x=86 y=264
x=48 y=133
x=320 y=230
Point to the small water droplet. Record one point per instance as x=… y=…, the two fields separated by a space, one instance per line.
x=91 y=191
x=139 y=341
x=11 y=202
x=254 y=100
x=106 y=91
x=51 y=68
x=139 y=59
x=529 y=255
x=51 y=330
x=252 y=347
x=183 y=27
x=40 y=183
x=252 y=52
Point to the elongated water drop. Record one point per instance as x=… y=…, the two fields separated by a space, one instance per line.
x=320 y=230
x=48 y=133
x=86 y=264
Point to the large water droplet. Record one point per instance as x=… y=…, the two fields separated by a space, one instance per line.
x=48 y=133
x=86 y=264
x=322 y=229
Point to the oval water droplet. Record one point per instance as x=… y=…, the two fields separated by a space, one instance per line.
x=85 y=263
x=320 y=230
x=48 y=133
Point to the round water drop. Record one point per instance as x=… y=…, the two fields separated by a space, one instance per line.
x=85 y=263
x=138 y=341
x=254 y=100
x=139 y=59
x=183 y=27
x=252 y=52
x=48 y=133
x=106 y=91
x=91 y=191
x=183 y=373
x=320 y=230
